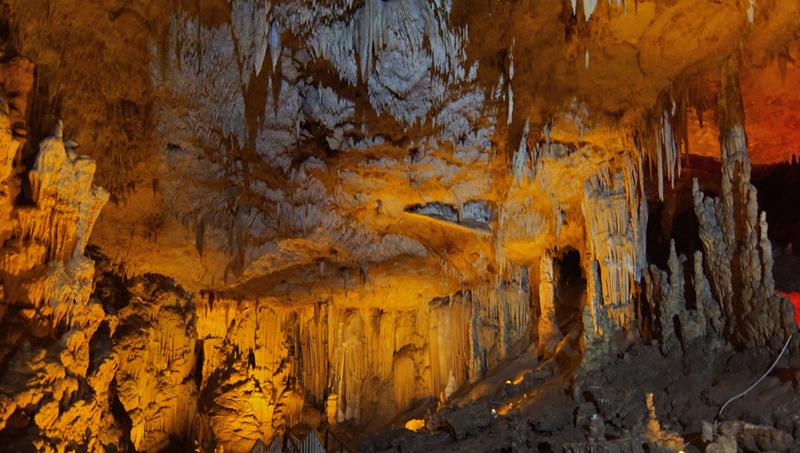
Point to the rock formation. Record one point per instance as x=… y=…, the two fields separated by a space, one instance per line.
x=733 y=288
x=55 y=385
x=549 y=334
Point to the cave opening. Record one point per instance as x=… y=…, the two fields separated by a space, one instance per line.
x=772 y=182
x=570 y=291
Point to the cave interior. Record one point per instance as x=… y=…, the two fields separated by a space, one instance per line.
x=399 y=226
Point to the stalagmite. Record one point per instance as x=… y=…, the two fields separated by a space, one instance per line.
x=732 y=233
x=678 y=324
x=655 y=434
x=663 y=305
x=704 y=299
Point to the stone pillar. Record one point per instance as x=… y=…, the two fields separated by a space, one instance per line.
x=549 y=334
x=734 y=235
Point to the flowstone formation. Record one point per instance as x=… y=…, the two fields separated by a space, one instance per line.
x=50 y=383
x=486 y=222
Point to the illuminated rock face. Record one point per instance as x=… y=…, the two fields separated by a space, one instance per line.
x=340 y=210
x=51 y=383
x=368 y=363
x=154 y=343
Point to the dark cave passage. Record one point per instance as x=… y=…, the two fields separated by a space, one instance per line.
x=779 y=198
x=570 y=291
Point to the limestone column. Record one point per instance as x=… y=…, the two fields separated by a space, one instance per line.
x=549 y=334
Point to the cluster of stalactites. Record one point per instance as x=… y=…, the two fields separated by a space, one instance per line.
x=661 y=141
x=155 y=348
x=256 y=34
x=363 y=36
x=615 y=213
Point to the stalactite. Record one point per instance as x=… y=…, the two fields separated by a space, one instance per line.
x=671 y=154
x=274 y=46
x=659 y=140
x=588 y=8
x=510 y=88
x=521 y=168
x=751 y=11
x=362 y=38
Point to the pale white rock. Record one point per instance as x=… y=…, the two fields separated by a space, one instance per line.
x=274 y=45
x=588 y=8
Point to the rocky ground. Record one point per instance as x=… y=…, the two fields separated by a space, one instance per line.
x=550 y=409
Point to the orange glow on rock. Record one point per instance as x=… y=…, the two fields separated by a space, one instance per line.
x=794 y=298
x=772 y=115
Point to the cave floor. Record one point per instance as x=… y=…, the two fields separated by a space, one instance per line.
x=545 y=407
